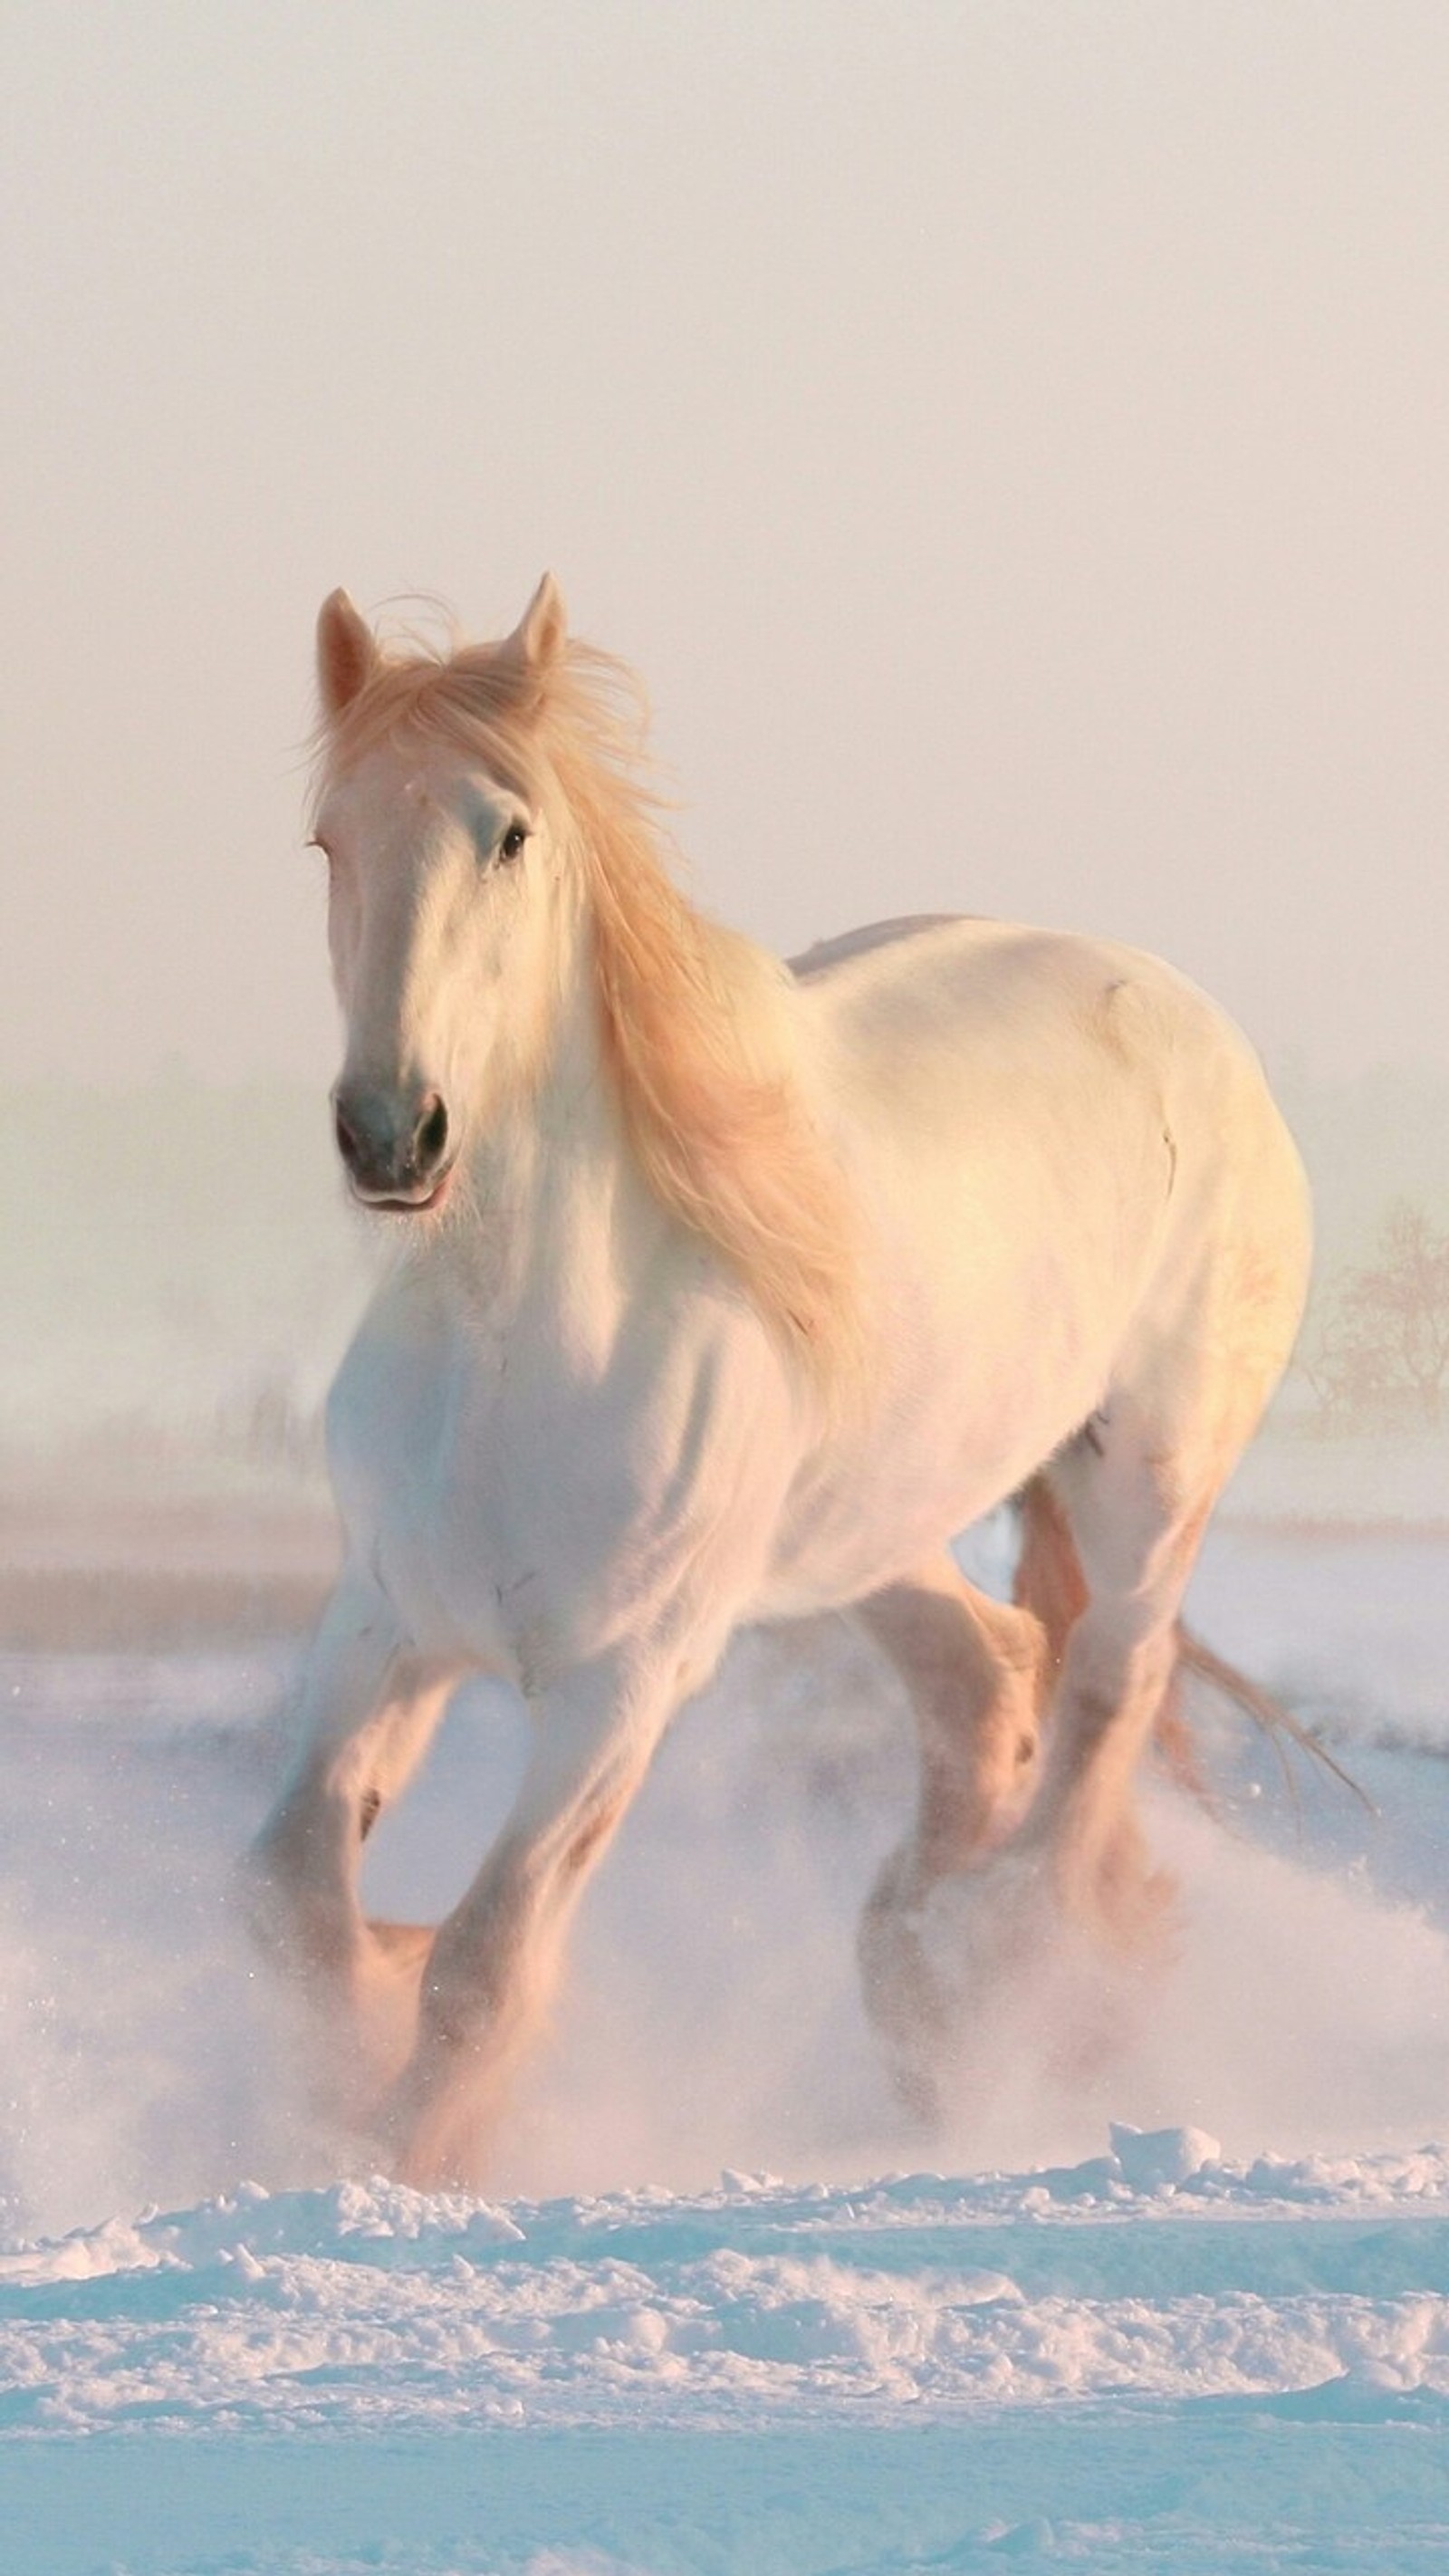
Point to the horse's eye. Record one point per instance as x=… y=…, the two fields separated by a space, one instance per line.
x=512 y=842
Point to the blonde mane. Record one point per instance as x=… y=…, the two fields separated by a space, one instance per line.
x=697 y=1023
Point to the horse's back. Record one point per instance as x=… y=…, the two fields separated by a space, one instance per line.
x=1056 y=1132
x=968 y=982
x=825 y=955
x=1032 y=1040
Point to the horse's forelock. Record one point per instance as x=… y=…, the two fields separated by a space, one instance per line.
x=470 y=701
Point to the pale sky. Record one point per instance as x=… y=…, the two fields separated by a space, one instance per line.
x=1009 y=436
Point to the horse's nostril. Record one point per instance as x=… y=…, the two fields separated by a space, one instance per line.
x=393 y=1147
x=431 y=1136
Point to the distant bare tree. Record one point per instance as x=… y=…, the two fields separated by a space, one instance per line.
x=1381 y=1353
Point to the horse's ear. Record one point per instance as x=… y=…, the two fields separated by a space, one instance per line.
x=540 y=635
x=346 y=654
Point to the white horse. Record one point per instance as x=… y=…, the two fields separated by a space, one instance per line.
x=729 y=1292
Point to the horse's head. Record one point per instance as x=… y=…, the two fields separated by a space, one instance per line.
x=437 y=837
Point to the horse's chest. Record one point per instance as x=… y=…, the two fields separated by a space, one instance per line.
x=481 y=1538
x=519 y=1537
x=515 y=1518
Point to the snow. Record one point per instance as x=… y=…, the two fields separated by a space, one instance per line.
x=1170 y=2293
x=338 y=2310
x=960 y=2335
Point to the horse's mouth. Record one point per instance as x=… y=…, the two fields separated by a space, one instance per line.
x=427 y=1202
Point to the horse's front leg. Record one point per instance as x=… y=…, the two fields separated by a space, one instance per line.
x=495 y=1960
x=368 y=1706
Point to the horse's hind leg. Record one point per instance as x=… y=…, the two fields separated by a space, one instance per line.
x=1049 y=1581
x=1135 y=1495
x=1137 y=1526
x=974 y=1669
x=1137 y=1486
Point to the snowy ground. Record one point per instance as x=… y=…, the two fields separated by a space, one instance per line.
x=1216 y=2337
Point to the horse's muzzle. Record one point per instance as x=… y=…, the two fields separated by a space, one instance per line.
x=396 y=1147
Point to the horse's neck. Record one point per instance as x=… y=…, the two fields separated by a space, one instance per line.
x=554 y=1214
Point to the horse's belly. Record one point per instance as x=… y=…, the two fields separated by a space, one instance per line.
x=847 y=1534
x=973 y=1395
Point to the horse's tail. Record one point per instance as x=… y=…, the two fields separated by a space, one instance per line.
x=1175 y=1736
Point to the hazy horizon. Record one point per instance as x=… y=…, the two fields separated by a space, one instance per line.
x=1008 y=439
